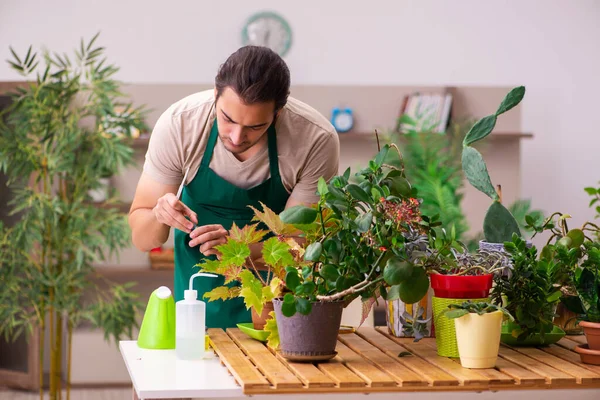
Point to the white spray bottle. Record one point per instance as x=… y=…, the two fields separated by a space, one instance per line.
x=190 y=323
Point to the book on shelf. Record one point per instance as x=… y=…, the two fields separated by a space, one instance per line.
x=425 y=112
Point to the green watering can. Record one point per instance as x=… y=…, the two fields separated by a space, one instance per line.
x=158 y=326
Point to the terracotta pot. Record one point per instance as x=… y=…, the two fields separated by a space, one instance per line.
x=461 y=287
x=588 y=356
x=592 y=334
x=311 y=337
x=259 y=321
x=567 y=320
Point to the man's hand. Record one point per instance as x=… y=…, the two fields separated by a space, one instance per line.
x=209 y=236
x=172 y=212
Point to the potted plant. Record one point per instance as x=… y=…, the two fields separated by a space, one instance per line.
x=531 y=293
x=587 y=285
x=568 y=248
x=499 y=224
x=478 y=326
x=53 y=150
x=355 y=242
x=456 y=276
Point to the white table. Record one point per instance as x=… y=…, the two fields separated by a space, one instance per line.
x=158 y=374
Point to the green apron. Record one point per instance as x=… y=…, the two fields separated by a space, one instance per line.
x=217 y=201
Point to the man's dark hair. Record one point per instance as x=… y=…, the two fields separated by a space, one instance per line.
x=257 y=75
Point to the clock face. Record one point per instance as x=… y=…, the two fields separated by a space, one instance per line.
x=269 y=30
x=343 y=121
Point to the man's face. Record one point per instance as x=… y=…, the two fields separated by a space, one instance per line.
x=241 y=126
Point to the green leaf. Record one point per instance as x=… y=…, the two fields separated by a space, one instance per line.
x=233 y=253
x=276 y=253
x=397 y=271
x=414 y=289
x=298 y=215
x=322 y=186
x=364 y=221
x=380 y=158
x=499 y=224
x=289 y=298
x=393 y=293
x=313 y=251
x=591 y=191
x=358 y=193
x=218 y=293
x=477 y=173
x=456 y=313
x=577 y=236
x=303 y=306
x=292 y=280
x=288 y=309
x=329 y=272
x=554 y=297
x=251 y=291
x=399 y=186
x=513 y=98
x=480 y=130
x=271 y=327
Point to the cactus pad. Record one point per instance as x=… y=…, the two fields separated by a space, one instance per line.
x=477 y=173
x=499 y=224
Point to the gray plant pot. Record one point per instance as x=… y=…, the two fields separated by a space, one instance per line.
x=311 y=337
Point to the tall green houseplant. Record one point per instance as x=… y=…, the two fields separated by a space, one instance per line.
x=65 y=128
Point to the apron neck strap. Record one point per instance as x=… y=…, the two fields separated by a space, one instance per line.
x=271 y=143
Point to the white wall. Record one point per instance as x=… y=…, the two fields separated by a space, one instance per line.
x=552 y=47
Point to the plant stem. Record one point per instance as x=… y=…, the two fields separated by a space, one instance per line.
x=377 y=137
x=321 y=216
x=256 y=271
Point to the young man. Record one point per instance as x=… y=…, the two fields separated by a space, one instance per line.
x=244 y=142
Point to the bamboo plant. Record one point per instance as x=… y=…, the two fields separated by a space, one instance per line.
x=66 y=127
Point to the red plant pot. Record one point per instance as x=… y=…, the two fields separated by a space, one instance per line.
x=461 y=287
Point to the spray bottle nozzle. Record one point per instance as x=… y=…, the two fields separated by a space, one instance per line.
x=192 y=294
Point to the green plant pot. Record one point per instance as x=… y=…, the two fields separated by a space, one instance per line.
x=552 y=337
x=248 y=329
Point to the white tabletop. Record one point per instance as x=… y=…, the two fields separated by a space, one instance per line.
x=158 y=374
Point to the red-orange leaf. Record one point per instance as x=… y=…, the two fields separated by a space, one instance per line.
x=272 y=220
x=248 y=234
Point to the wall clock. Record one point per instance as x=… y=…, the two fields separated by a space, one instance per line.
x=270 y=30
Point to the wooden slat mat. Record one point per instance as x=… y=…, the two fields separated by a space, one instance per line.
x=371 y=360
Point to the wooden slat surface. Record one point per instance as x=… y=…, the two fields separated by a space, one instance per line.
x=552 y=375
x=434 y=375
x=368 y=362
x=465 y=376
x=580 y=339
x=236 y=362
x=567 y=343
x=363 y=368
x=310 y=375
x=495 y=377
x=275 y=371
x=341 y=375
x=571 y=357
x=580 y=374
x=399 y=372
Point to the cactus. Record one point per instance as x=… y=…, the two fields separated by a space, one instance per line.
x=499 y=224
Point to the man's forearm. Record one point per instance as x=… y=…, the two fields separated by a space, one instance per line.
x=147 y=233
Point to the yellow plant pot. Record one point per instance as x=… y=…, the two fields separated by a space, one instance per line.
x=478 y=338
